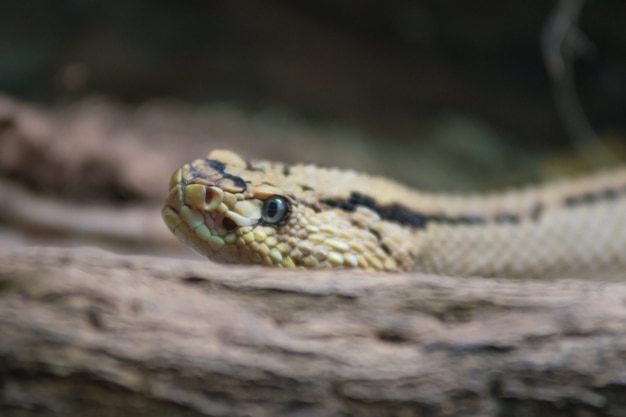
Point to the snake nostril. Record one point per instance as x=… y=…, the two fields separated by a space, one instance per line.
x=228 y=224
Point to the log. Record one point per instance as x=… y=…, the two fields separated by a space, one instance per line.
x=84 y=332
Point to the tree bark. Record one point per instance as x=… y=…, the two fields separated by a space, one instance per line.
x=85 y=332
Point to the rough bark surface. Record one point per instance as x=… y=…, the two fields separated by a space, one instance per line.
x=84 y=332
x=89 y=333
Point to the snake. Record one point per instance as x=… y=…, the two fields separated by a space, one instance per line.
x=237 y=211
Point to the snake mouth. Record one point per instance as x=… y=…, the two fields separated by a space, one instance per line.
x=209 y=234
x=197 y=205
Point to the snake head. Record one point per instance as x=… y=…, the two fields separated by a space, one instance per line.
x=232 y=211
x=223 y=216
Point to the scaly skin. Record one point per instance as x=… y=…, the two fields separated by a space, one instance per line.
x=236 y=211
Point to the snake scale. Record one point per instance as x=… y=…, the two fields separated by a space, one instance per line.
x=259 y=212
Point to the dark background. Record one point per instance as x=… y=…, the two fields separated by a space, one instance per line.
x=396 y=71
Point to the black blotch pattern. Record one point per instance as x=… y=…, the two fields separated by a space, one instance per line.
x=286 y=171
x=239 y=182
x=507 y=218
x=457 y=220
x=193 y=171
x=405 y=216
x=394 y=212
x=608 y=194
x=219 y=166
x=307 y=188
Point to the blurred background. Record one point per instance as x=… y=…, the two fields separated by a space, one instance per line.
x=101 y=101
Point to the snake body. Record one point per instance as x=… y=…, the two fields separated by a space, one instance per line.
x=302 y=215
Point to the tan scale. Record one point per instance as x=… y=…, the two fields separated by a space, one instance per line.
x=568 y=228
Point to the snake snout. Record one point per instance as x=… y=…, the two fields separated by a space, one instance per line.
x=202 y=197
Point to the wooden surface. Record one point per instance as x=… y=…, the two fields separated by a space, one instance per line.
x=85 y=332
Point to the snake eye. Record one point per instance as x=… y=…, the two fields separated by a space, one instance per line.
x=276 y=210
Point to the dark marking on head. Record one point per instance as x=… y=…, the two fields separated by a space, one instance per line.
x=219 y=166
x=194 y=173
x=238 y=181
x=286 y=171
x=307 y=188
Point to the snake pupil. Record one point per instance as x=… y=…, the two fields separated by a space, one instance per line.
x=272 y=209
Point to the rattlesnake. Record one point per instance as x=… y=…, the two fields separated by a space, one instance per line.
x=237 y=211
